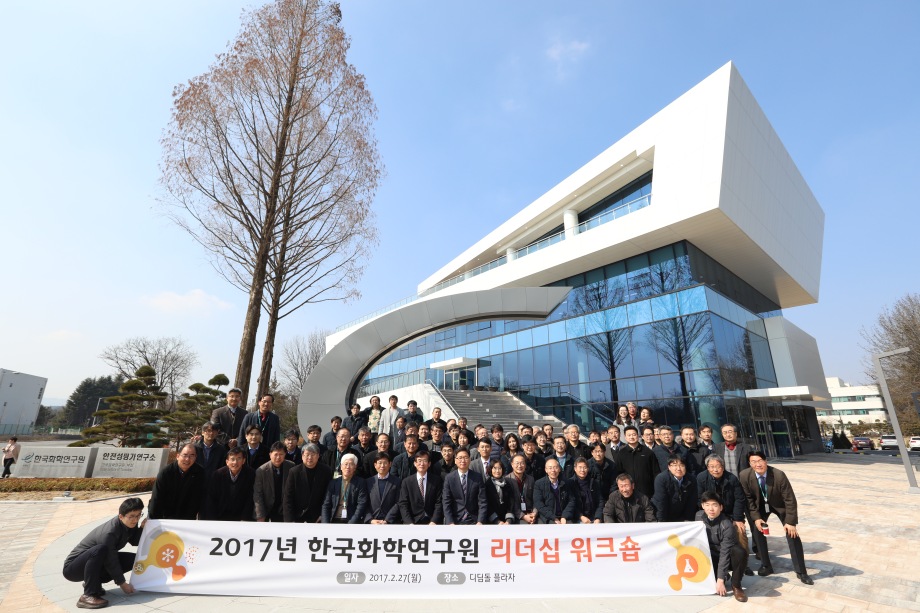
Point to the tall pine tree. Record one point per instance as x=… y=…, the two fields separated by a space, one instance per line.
x=135 y=417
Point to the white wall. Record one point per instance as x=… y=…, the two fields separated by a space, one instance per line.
x=424 y=394
x=795 y=355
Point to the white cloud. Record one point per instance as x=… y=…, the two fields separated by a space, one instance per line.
x=564 y=55
x=193 y=302
x=61 y=335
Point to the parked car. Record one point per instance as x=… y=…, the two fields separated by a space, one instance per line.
x=889 y=441
x=914 y=443
x=862 y=442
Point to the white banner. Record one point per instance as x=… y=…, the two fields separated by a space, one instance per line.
x=364 y=561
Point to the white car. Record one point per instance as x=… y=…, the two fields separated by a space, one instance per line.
x=914 y=444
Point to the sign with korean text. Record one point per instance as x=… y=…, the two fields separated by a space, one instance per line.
x=364 y=561
x=40 y=461
x=129 y=462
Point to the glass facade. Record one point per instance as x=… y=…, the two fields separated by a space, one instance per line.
x=653 y=329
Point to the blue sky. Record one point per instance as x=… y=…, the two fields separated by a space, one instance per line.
x=483 y=106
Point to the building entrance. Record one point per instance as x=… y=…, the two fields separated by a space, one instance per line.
x=773 y=437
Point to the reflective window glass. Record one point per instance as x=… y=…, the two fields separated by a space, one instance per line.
x=495 y=345
x=525 y=339
x=541 y=371
x=559 y=365
x=556 y=331
x=616 y=318
x=575 y=327
x=639 y=312
x=540 y=335
x=578 y=362
x=664 y=307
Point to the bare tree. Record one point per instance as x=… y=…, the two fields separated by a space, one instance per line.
x=898 y=326
x=171 y=358
x=298 y=358
x=270 y=164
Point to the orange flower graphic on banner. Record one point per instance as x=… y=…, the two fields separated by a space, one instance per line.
x=165 y=552
x=692 y=564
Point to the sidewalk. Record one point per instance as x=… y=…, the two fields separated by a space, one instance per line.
x=860 y=530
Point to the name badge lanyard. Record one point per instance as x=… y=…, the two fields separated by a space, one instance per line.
x=763 y=491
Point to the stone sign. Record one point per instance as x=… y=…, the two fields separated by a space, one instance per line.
x=129 y=462
x=38 y=461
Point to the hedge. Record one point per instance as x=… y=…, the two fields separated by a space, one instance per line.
x=77 y=485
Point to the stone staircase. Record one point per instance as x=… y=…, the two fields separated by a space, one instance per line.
x=488 y=408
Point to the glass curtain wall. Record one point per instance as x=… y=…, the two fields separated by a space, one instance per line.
x=651 y=329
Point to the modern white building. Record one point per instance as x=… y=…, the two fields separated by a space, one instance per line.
x=20 y=399
x=852 y=404
x=658 y=272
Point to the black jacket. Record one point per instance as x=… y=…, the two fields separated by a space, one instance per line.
x=633 y=510
x=228 y=500
x=114 y=535
x=523 y=494
x=673 y=501
x=500 y=501
x=606 y=474
x=640 y=464
x=729 y=490
x=257 y=459
x=304 y=492
x=271 y=431
x=217 y=457
x=591 y=503
x=722 y=536
x=384 y=507
x=545 y=504
x=664 y=455
x=175 y=496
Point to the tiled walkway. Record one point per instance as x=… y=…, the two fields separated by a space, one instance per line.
x=860 y=528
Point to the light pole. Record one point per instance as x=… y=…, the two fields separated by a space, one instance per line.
x=877 y=358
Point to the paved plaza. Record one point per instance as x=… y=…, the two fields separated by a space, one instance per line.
x=859 y=526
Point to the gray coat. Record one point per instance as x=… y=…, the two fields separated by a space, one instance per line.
x=263 y=491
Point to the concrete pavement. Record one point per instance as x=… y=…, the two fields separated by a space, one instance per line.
x=859 y=527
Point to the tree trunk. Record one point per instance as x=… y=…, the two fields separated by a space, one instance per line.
x=268 y=350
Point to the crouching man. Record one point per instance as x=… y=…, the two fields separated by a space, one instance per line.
x=727 y=553
x=98 y=559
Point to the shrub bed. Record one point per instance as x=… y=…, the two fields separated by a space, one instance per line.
x=76 y=485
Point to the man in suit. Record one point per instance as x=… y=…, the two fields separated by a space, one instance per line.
x=464 y=497
x=768 y=491
x=479 y=460
x=522 y=486
x=268 y=422
x=268 y=490
x=382 y=494
x=421 y=495
x=254 y=452
x=179 y=488
x=552 y=496
x=346 y=496
x=734 y=453
x=229 y=418
x=211 y=454
x=229 y=496
x=305 y=489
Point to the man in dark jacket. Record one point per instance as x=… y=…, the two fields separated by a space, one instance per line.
x=98 y=559
x=332 y=457
x=211 y=454
x=522 y=486
x=626 y=505
x=267 y=421
x=638 y=462
x=305 y=489
x=255 y=451
x=367 y=468
x=589 y=500
x=354 y=421
x=669 y=449
x=727 y=554
x=716 y=479
x=602 y=469
x=382 y=494
x=230 y=490
x=695 y=449
x=420 y=495
x=346 y=496
x=552 y=497
x=268 y=488
x=535 y=459
x=179 y=488
x=675 y=496
x=464 y=494
x=292 y=451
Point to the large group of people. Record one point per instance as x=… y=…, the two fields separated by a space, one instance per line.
x=392 y=466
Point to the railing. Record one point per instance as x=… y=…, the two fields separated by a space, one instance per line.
x=605 y=217
x=608 y=216
x=438 y=390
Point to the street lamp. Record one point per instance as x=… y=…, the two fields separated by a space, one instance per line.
x=877 y=358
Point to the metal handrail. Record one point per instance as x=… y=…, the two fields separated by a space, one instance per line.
x=438 y=390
